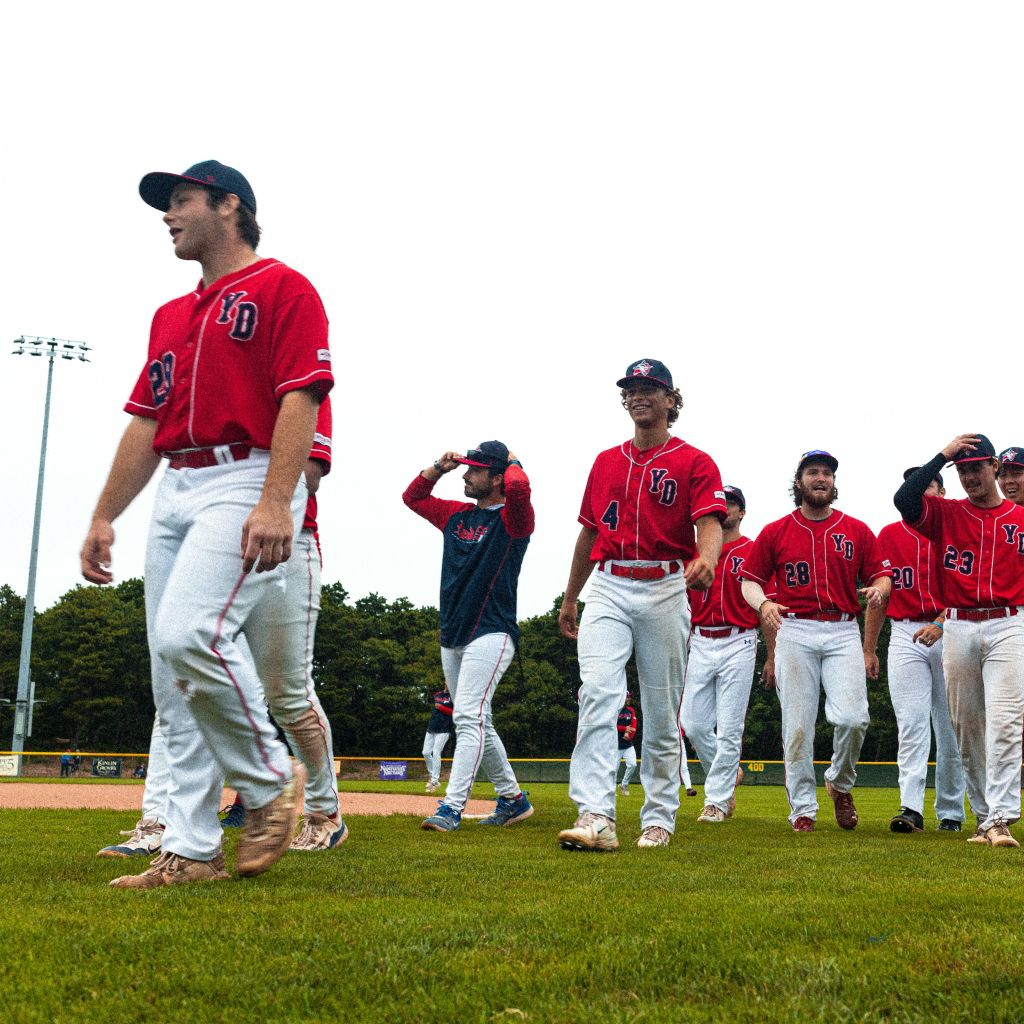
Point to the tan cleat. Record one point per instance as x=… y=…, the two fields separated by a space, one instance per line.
x=268 y=830
x=653 y=835
x=712 y=814
x=592 y=833
x=980 y=837
x=319 y=832
x=846 y=813
x=172 y=869
x=999 y=835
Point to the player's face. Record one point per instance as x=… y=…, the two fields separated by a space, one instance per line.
x=195 y=226
x=733 y=515
x=1011 y=483
x=817 y=482
x=647 y=404
x=978 y=479
x=479 y=484
x=933 y=490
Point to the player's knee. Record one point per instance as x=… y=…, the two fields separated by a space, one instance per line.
x=855 y=721
x=183 y=646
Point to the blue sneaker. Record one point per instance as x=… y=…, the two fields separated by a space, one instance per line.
x=234 y=817
x=508 y=812
x=444 y=819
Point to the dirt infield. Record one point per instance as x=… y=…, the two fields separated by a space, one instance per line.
x=55 y=796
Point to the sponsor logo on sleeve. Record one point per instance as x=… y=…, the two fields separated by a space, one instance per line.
x=720 y=495
x=323 y=355
x=322 y=440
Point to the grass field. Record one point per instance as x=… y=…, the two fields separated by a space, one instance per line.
x=741 y=922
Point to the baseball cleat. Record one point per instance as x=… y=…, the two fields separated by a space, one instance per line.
x=592 y=833
x=234 y=816
x=711 y=814
x=999 y=835
x=980 y=837
x=444 y=819
x=691 y=792
x=171 y=869
x=269 y=829
x=653 y=835
x=803 y=824
x=144 y=839
x=846 y=813
x=319 y=832
x=509 y=811
x=624 y=789
x=432 y=786
x=907 y=820
x=950 y=825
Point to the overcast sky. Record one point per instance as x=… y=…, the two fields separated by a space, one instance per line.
x=811 y=212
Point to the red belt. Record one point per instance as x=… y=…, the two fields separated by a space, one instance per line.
x=721 y=631
x=203 y=457
x=979 y=614
x=640 y=572
x=829 y=615
x=930 y=617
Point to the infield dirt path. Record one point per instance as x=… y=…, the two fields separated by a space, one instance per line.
x=69 y=796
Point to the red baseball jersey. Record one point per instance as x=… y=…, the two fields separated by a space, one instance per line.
x=723 y=604
x=644 y=504
x=980 y=551
x=221 y=358
x=321 y=451
x=915 y=577
x=816 y=563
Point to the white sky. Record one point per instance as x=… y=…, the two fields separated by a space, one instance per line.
x=811 y=212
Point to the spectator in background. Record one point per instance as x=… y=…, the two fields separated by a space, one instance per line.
x=65 y=763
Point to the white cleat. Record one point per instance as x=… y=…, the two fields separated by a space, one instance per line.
x=592 y=833
x=653 y=835
x=712 y=815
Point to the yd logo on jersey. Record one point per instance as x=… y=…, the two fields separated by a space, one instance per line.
x=735 y=564
x=844 y=547
x=1014 y=536
x=664 y=486
x=243 y=316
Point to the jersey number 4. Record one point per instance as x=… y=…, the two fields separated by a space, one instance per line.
x=161 y=377
x=611 y=516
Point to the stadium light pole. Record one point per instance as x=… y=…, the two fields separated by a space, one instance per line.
x=51 y=348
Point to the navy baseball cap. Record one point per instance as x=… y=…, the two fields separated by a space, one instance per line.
x=156 y=187
x=735 y=494
x=486 y=455
x=818 y=455
x=914 y=469
x=646 y=371
x=983 y=451
x=1013 y=456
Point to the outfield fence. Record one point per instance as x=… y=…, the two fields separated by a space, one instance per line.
x=118 y=765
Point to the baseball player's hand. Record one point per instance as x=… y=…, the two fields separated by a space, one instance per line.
x=771 y=613
x=567 y=625
x=928 y=635
x=699 y=574
x=958 y=444
x=871 y=665
x=768 y=680
x=448 y=463
x=95 y=556
x=267 y=536
x=874 y=596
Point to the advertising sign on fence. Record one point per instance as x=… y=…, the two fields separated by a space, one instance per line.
x=106 y=767
x=9 y=764
x=393 y=770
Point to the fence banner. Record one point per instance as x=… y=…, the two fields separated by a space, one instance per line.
x=106 y=767
x=393 y=771
x=8 y=764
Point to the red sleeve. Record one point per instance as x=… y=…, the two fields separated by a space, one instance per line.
x=300 y=357
x=759 y=566
x=140 y=401
x=586 y=516
x=517 y=514
x=706 y=495
x=321 y=450
x=435 y=510
x=873 y=565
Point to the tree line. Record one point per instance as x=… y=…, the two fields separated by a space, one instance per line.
x=376 y=665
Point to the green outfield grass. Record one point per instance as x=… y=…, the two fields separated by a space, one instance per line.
x=740 y=922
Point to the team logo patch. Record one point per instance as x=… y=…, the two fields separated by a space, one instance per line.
x=1010 y=455
x=322 y=439
x=242 y=316
x=886 y=564
x=323 y=355
x=642 y=369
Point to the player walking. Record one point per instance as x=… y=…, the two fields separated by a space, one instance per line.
x=229 y=395
x=816 y=555
x=643 y=503
x=484 y=545
x=720 y=668
x=917 y=687
x=980 y=540
x=439 y=731
x=625 y=725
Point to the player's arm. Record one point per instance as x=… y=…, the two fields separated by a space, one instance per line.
x=517 y=514
x=768 y=611
x=700 y=571
x=579 y=573
x=267 y=532
x=931 y=634
x=874 y=617
x=134 y=464
x=768 y=677
x=417 y=495
x=909 y=498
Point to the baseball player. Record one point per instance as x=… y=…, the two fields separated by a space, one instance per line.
x=651 y=525
x=917 y=687
x=980 y=545
x=720 y=668
x=816 y=555
x=484 y=544
x=229 y=396
x=1011 y=474
x=625 y=725
x=439 y=731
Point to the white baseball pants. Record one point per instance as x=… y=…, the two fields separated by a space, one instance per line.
x=472 y=674
x=810 y=656
x=208 y=697
x=433 y=746
x=628 y=755
x=719 y=673
x=623 y=617
x=917 y=689
x=984 y=666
